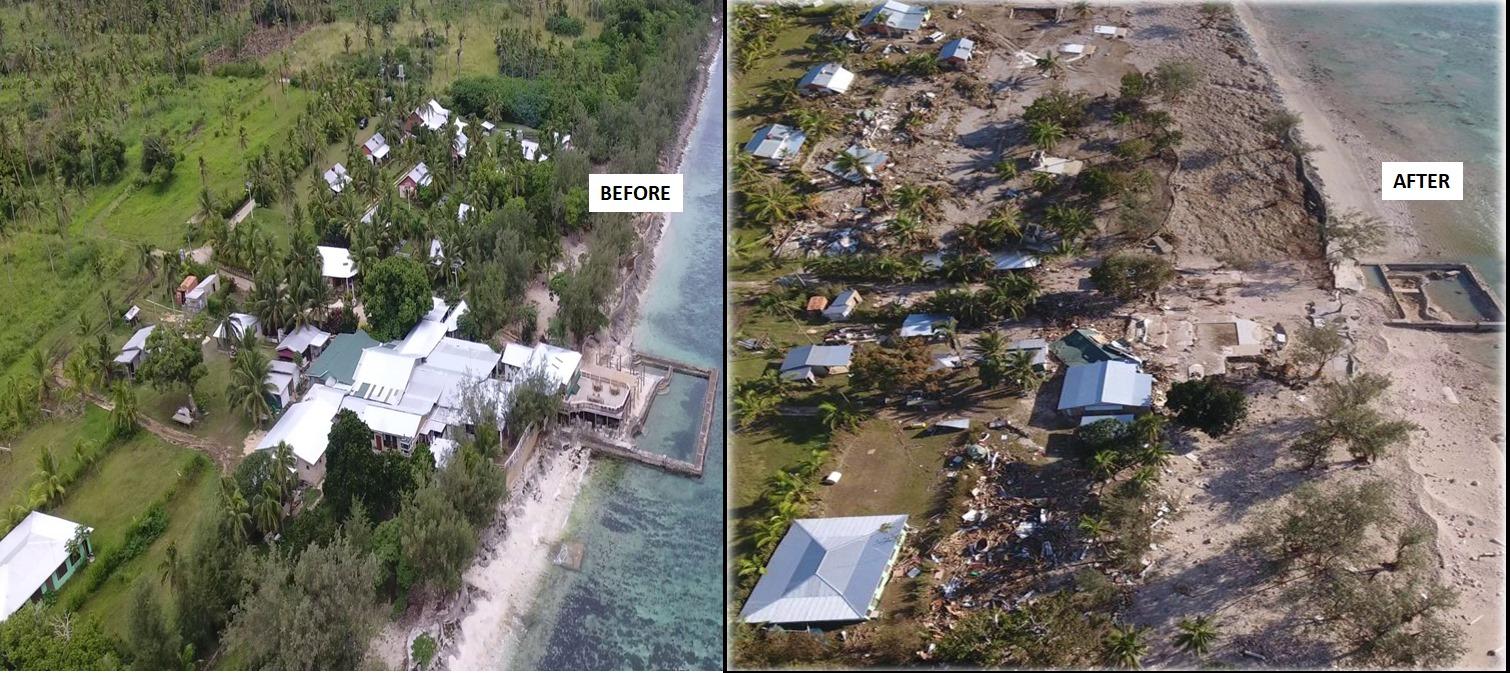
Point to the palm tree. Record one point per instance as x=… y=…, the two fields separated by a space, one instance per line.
x=44 y=381
x=269 y=507
x=1125 y=646
x=908 y=230
x=1049 y=65
x=123 y=411
x=49 y=487
x=850 y=162
x=815 y=122
x=1104 y=464
x=146 y=258
x=1196 y=634
x=773 y=202
x=990 y=345
x=1045 y=134
x=918 y=200
x=237 y=514
x=283 y=466
x=838 y=416
x=249 y=388
x=1082 y=10
x=1018 y=368
x=1071 y=222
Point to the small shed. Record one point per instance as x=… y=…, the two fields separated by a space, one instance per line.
x=843 y=305
x=816 y=303
x=828 y=78
x=958 y=52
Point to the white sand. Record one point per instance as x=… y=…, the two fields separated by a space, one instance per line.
x=507 y=577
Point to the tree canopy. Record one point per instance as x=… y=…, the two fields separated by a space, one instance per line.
x=395 y=294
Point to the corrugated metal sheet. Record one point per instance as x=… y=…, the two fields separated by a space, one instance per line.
x=827 y=570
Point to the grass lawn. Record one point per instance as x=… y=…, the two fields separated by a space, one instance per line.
x=111 y=603
x=887 y=470
x=18 y=469
x=220 y=424
x=792 y=58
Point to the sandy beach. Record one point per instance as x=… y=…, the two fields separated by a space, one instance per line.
x=1450 y=476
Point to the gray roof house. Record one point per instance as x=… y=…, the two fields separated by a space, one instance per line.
x=1106 y=388
x=827 y=571
x=810 y=362
x=826 y=78
x=843 y=305
x=894 y=18
x=871 y=162
x=923 y=324
x=776 y=143
x=958 y=51
x=131 y=354
x=1038 y=347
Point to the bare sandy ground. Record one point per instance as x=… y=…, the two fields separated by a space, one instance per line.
x=1451 y=475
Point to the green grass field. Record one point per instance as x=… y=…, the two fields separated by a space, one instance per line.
x=792 y=57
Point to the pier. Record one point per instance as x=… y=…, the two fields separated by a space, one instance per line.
x=623 y=448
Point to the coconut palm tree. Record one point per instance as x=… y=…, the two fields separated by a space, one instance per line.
x=283 y=467
x=49 y=486
x=1018 y=368
x=990 y=345
x=772 y=203
x=146 y=258
x=249 y=388
x=1045 y=134
x=269 y=507
x=837 y=416
x=918 y=200
x=1196 y=634
x=1071 y=222
x=238 y=514
x=169 y=568
x=123 y=411
x=1104 y=464
x=908 y=231
x=815 y=122
x=1049 y=65
x=851 y=162
x=1125 y=646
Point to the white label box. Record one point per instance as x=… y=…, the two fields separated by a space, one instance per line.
x=634 y=193
x=1421 y=180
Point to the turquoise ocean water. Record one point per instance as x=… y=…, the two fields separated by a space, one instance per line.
x=650 y=591
x=1423 y=80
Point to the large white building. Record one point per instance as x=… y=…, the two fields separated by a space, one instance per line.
x=35 y=559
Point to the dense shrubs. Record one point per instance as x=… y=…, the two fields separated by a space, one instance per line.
x=562 y=24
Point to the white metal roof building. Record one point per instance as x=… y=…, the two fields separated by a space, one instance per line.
x=829 y=77
x=302 y=339
x=871 y=161
x=135 y=346
x=802 y=361
x=923 y=324
x=337 y=178
x=305 y=426
x=241 y=323
x=895 y=16
x=827 y=571
x=431 y=115
x=382 y=374
x=376 y=148
x=336 y=262
x=776 y=143
x=959 y=50
x=1107 y=387
x=30 y=555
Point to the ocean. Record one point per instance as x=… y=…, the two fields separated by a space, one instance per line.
x=650 y=592
x=1423 y=81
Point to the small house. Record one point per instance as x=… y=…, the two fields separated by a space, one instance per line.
x=183 y=289
x=957 y=52
x=1039 y=348
x=337 y=178
x=894 y=19
x=239 y=325
x=417 y=177
x=870 y=162
x=776 y=143
x=305 y=427
x=336 y=266
x=303 y=344
x=808 y=363
x=431 y=116
x=134 y=352
x=843 y=305
x=1089 y=346
x=924 y=325
x=38 y=556
x=284 y=383
x=376 y=148
x=829 y=78
x=829 y=571
x=816 y=304
x=1105 y=388
x=198 y=298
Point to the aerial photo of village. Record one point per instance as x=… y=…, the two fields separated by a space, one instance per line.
x=1072 y=335
x=309 y=341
